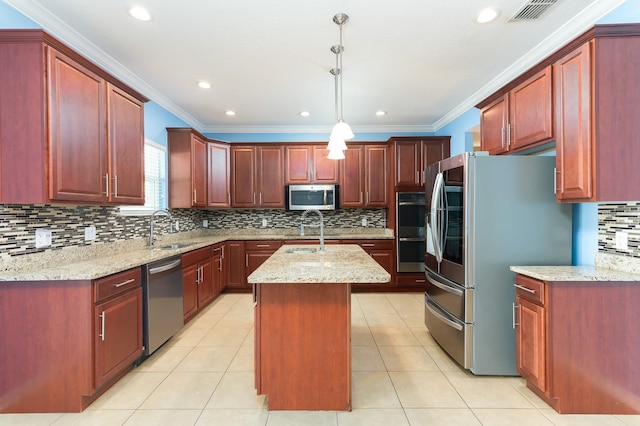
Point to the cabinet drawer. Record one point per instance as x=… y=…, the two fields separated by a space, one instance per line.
x=411 y=280
x=371 y=244
x=262 y=245
x=117 y=283
x=196 y=256
x=530 y=289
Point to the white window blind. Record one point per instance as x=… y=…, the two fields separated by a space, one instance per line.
x=155 y=180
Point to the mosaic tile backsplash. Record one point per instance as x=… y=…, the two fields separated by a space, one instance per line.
x=623 y=217
x=18 y=223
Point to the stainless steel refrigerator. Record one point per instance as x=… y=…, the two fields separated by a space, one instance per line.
x=483 y=214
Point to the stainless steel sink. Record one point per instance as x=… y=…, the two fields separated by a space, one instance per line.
x=174 y=246
x=302 y=250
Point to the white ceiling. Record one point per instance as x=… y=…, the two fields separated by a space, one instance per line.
x=423 y=61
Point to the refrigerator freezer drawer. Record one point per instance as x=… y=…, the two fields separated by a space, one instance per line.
x=454 y=336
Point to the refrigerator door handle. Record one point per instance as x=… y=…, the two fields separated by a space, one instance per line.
x=442 y=318
x=445 y=287
x=436 y=217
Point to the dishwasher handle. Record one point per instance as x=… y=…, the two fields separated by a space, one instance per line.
x=165 y=267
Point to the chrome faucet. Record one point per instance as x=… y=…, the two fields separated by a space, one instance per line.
x=320 y=225
x=164 y=212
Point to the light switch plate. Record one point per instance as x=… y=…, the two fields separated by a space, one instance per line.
x=622 y=241
x=89 y=233
x=205 y=223
x=43 y=238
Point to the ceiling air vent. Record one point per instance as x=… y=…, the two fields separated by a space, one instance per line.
x=532 y=10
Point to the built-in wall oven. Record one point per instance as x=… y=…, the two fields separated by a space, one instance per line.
x=410 y=221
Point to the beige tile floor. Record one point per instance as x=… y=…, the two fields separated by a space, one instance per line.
x=204 y=376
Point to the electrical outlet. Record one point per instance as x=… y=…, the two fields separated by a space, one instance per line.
x=205 y=223
x=364 y=222
x=90 y=233
x=622 y=241
x=177 y=226
x=264 y=223
x=43 y=238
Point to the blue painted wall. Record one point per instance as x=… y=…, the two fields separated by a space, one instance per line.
x=156 y=120
x=458 y=129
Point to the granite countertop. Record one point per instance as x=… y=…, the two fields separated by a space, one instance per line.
x=608 y=267
x=344 y=263
x=99 y=260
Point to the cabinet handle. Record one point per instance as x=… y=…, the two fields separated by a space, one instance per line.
x=103 y=315
x=360 y=199
x=368 y=245
x=528 y=290
x=367 y=194
x=199 y=275
x=229 y=198
x=417 y=176
x=262 y=245
x=420 y=281
x=509 y=135
x=513 y=315
x=555 y=180
x=106 y=181
x=246 y=260
x=124 y=283
x=260 y=199
x=502 y=137
x=115 y=186
x=220 y=264
x=195 y=196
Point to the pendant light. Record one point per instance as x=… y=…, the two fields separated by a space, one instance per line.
x=341 y=131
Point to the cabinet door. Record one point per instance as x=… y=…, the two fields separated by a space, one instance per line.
x=255 y=259
x=235 y=259
x=270 y=176
x=531 y=111
x=217 y=269
x=218 y=175
x=574 y=178
x=126 y=147
x=297 y=164
x=243 y=181
x=324 y=169
x=205 y=287
x=531 y=342
x=190 y=277
x=117 y=335
x=434 y=151
x=77 y=132
x=376 y=172
x=352 y=177
x=198 y=172
x=494 y=119
x=408 y=167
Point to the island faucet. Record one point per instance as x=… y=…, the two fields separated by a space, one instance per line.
x=164 y=212
x=319 y=225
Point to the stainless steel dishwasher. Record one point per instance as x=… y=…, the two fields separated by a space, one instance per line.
x=162 y=303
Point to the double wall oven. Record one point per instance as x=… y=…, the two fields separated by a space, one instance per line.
x=483 y=214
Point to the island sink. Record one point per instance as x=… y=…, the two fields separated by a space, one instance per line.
x=301 y=250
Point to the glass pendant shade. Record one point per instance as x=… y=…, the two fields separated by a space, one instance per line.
x=336 y=144
x=342 y=131
x=336 y=154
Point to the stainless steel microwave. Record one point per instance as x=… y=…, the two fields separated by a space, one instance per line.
x=303 y=197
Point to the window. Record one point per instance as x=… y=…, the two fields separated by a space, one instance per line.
x=155 y=180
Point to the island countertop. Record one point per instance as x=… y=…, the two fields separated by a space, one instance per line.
x=344 y=263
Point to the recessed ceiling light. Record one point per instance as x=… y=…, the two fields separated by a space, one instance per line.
x=487 y=15
x=204 y=85
x=304 y=113
x=140 y=13
x=381 y=113
x=230 y=112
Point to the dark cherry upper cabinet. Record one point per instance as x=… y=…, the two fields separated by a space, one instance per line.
x=521 y=118
x=305 y=164
x=218 y=175
x=364 y=176
x=187 y=168
x=412 y=155
x=597 y=111
x=76 y=130
x=257 y=176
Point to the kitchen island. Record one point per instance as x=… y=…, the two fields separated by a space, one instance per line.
x=302 y=299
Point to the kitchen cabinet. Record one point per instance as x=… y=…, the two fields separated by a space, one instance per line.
x=382 y=251
x=521 y=118
x=218 y=175
x=235 y=265
x=217 y=269
x=257 y=176
x=197 y=283
x=364 y=176
x=408 y=280
x=256 y=252
x=75 y=128
x=187 y=168
x=575 y=344
x=306 y=164
x=74 y=339
x=118 y=324
x=413 y=155
x=597 y=112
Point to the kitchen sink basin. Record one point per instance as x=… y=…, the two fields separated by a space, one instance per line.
x=302 y=250
x=174 y=246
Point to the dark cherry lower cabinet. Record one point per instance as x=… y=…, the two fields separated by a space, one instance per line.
x=382 y=252
x=577 y=344
x=197 y=283
x=73 y=341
